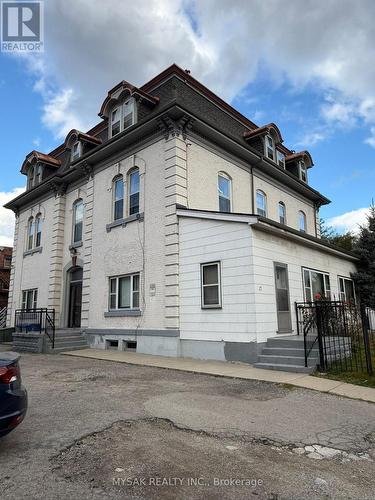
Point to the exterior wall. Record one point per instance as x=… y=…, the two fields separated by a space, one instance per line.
x=268 y=249
x=247 y=257
x=31 y=271
x=206 y=241
x=203 y=169
x=293 y=204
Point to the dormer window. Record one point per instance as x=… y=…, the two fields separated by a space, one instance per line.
x=122 y=117
x=270 y=147
x=302 y=171
x=115 y=121
x=76 y=150
x=280 y=158
x=31 y=178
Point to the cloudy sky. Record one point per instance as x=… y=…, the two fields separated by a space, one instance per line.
x=307 y=65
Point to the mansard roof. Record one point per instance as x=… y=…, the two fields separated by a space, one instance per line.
x=81 y=136
x=302 y=155
x=122 y=89
x=37 y=156
x=265 y=129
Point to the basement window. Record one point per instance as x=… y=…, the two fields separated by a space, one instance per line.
x=130 y=345
x=111 y=344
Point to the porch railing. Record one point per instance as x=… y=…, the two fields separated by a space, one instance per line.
x=3 y=317
x=40 y=320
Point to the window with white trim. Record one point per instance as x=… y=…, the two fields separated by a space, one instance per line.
x=302 y=221
x=346 y=289
x=133 y=180
x=29 y=299
x=77 y=221
x=280 y=158
x=261 y=199
x=270 y=147
x=282 y=213
x=30 y=233
x=122 y=117
x=211 y=285
x=124 y=292
x=302 y=171
x=118 y=198
x=38 y=230
x=224 y=192
x=316 y=285
x=76 y=150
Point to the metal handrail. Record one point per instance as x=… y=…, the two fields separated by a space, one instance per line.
x=36 y=320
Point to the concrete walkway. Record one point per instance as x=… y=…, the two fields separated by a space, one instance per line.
x=232 y=370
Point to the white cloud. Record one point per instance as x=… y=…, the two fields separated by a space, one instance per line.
x=311 y=139
x=91 y=45
x=371 y=140
x=349 y=221
x=7 y=216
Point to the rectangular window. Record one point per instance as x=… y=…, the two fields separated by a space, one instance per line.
x=134 y=192
x=302 y=171
x=7 y=261
x=29 y=299
x=124 y=292
x=346 y=290
x=128 y=114
x=270 y=148
x=211 y=285
x=38 y=228
x=115 y=121
x=316 y=285
x=76 y=151
x=280 y=158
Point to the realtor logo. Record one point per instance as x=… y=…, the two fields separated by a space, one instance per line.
x=22 y=26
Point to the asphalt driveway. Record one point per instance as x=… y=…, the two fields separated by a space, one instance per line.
x=98 y=429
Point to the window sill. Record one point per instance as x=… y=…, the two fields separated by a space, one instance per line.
x=32 y=251
x=125 y=221
x=122 y=313
x=75 y=245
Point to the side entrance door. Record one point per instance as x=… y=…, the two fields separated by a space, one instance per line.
x=284 y=319
x=75 y=298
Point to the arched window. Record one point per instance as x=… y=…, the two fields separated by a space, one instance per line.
x=38 y=230
x=133 y=179
x=118 y=198
x=30 y=233
x=123 y=117
x=76 y=150
x=77 y=221
x=224 y=192
x=128 y=114
x=302 y=221
x=282 y=212
x=261 y=203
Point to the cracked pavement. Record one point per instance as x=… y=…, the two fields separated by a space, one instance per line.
x=76 y=435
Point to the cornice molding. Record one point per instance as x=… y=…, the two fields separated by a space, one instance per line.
x=175 y=128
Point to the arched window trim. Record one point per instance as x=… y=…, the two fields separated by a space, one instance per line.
x=117 y=201
x=302 y=221
x=38 y=230
x=77 y=233
x=225 y=201
x=282 y=216
x=30 y=233
x=133 y=192
x=262 y=211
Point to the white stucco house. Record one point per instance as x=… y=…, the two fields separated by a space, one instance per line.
x=176 y=226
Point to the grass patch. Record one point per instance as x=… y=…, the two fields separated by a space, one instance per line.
x=357 y=377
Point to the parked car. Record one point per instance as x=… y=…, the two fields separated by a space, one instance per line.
x=13 y=396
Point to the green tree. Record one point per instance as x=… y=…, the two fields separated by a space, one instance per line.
x=364 y=248
x=345 y=241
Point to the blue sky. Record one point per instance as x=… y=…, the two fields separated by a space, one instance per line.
x=307 y=71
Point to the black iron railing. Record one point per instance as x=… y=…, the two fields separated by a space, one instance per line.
x=341 y=332
x=41 y=320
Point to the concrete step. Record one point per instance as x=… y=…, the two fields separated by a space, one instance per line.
x=285 y=368
x=78 y=343
x=57 y=350
x=287 y=351
x=286 y=360
x=296 y=343
x=68 y=333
